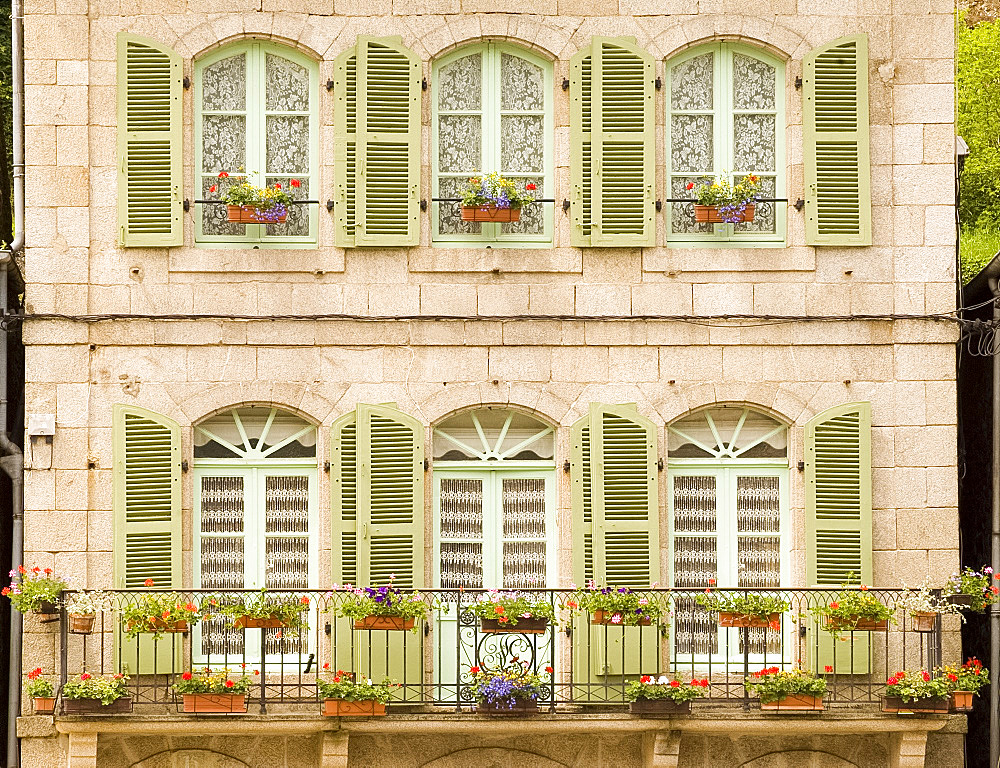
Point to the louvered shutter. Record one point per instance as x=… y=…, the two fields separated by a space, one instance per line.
x=836 y=143
x=612 y=145
x=344 y=503
x=378 y=119
x=146 y=506
x=839 y=516
x=150 y=143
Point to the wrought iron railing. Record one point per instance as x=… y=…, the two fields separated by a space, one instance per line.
x=590 y=663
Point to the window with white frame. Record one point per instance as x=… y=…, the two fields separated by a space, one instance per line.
x=725 y=105
x=492 y=111
x=256 y=117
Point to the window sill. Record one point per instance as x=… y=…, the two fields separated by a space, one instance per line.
x=730 y=257
x=268 y=257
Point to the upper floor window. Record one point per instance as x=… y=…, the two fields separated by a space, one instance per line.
x=256 y=107
x=725 y=119
x=492 y=111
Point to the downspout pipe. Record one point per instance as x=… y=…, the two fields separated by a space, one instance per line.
x=992 y=272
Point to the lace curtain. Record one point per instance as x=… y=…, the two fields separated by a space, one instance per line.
x=222 y=556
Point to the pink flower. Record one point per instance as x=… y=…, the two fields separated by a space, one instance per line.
x=616 y=619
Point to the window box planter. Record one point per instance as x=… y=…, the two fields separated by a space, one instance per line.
x=391 y=623
x=215 y=703
x=965 y=601
x=153 y=624
x=659 y=707
x=81 y=624
x=95 y=707
x=727 y=619
x=937 y=705
x=603 y=618
x=709 y=214
x=532 y=626
x=961 y=701
x=44 y=705
x=344 y=708
x=490 y=213
x=245 y=214
x=265 y=622
x=855 y=624
x=794 y=702
x=922 y=621
x=521 y=707
x=46 y=612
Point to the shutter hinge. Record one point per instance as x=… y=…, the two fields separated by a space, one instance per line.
x=423 y=205
x=659 y=464
x=427 y=628
x=187 y=82
x=659 y=83
x=565 y=466
x=329 y=85
x=329 y=205
x=184 y=465
x=800 y=204
x=802 y=466
x=427 y=464
x=798 y=82
x=565 y=84
x=326 y=466
x=187 y=205
x=423 y=84
x=659 y=206
x=565 y=206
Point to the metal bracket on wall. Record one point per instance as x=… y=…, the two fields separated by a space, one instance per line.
x=329 y=85
x=800 y=204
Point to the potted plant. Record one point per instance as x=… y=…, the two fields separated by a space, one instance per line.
x=343 y=696
x=82 y=609
x=527 y=613
x=158 y=613
x=791 y=690
x=724 y=202
x=35 y=591
x=267 y=611
x=971 y=589
x=91 y=695
x=247 y=203
x=924 y=608
x=964 y=682
x=491 y=197
x=663 y=695
x=615 y=606
x=855 y=610
x=513 y=690
x=909 y=692
x=41 y=692
x=745 y=609
x=384 y=607
x=214 y=692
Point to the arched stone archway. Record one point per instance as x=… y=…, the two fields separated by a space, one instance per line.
x=190 y=758
x=492 y=757
x=799 y=758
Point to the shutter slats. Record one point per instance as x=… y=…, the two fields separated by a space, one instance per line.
x=344 y=505
x=149 y=143
x=836 y=138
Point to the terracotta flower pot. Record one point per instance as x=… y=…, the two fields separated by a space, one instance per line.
x=490 y=213
x=81 y=624
x=44 y=705
x=933 y=705
x=521 y=707
x=153 y=624
x=245 y=214
x=709 y=214
x=342 y=708
x=266 y=622
x=215 y=703
x=659 y=707
x=855 y=624
x=923 y=621
x=391 y=623
x=794 y=702
x=532 y=626
x=961 y=701
x=95 y=707
x=604 y=618
x=727 y=619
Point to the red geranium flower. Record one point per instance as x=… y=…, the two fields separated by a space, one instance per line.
x=85 y=676
x=166 y=614
x=212 y=188
x=645 y=679
x=336 y=679
x=704 y=683
x=549 y=670
x=223 y=175
x=229 y=683
x=927 y=677
x=474 y=670
x=5 y=591
x=499 y=609
x=828 y=668
x=689 y=185
x=952 y=677
x=891 y=681
x=295 y=183
x=834 y=606
x=186 y=676
x=277 y=186
x=149 y=582
x=675 y=683
x=21 y=570
x=190 y=607
x=327 y=665
x=530 y=187
x=711 y=582
x=48 y=571
x=304 y=600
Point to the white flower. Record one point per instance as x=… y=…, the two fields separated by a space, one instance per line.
x=369 y=681
x=663 y=680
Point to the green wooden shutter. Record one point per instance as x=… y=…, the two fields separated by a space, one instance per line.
x=839 y=517
x=612 y=127
x=150 y=143
x=836 y=143
x=146 y=522
x=377 y=133
x=344 y=503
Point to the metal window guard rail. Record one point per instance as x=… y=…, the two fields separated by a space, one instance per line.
x=591 y=664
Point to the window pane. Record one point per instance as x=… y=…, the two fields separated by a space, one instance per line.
x=222 y=505
x=297 y=223
x=522 y=144
x=459 y=143
x=694 y=504
x=757 y=505
x=223 y=85
x=461 y=508
x=524 y=508
x=532 y=221
x=692 y=83
x=462 y=565
x=523 y=564
x=287 y=144
x=753 y=83
x=522 y=84
x=287 y=85
x=692 y=144
x=222 y=562
x=753 y=142
x=223 y=143
x=286 y=504
x=460 y=83
x=213 y=222
x=450 y=214
x=695 y=629
x=287 y=567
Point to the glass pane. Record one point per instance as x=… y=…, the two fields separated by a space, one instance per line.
x=450 y=214
x=532 y=222
x=296 y=224
x=287 y=85
x=522 y=144
x=461 y=503
x=695 y=503
x=459 y=143
x=222 y=562
x=213 y=222
x=764 y=220
x=286 y=562
x=760 y=566
x=695 y=562
x=223 y=143
x=682 y=214
x=223 y=85
x=460 y=83
x=753 y=143
x=758 y=507
x=222 y=505
x=524 y=508
x=286 y=504
x=753 y=83
x=462 y=565
x=287 y=144
x=221 y=557
x=522 y=84
x=523 y=564
x=691 y=83
x=692 y=146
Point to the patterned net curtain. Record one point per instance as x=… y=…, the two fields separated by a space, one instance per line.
x=723 y=119
x=264 y=133
x=491 y=108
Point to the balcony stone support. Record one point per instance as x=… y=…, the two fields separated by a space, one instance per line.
x=662 y=749
x=909 y=749
x=334 y=749
x=82 y=750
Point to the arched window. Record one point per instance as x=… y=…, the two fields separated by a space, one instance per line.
x=492 y=111
x=256 y=117
x=725 y=118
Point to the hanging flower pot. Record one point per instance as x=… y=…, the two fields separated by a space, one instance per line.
x=344 y=708
x=931 y=705
x=214 y=703
x=965 y=601
x=490 y=213
x=922 y=621
x=391 y=623
x=44 y=705
x=743 y=620
x=532 y=626
x=607 y=618
x=794 y=702
x=709 y=214
x=961 y=701
x=245 y=214
x=856 y=624
x=81 y=624
x=521 y=707
x=46 y=612
x=96 y=706
x=262 y=622
x=659 y=707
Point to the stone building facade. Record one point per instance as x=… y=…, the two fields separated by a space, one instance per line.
x=154 y=309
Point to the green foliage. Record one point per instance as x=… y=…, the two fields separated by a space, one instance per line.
x=343 y=686
x=977 y=83
x=913 y=686
x=380 y=601
x=208 y=680
x=152 y=612
x=290 y=610
x=976 y=584
x=86 y=686
x=774 y=684
x=971 y=676
x=977 y=247
x=38 y=687
x=493 y=189
x=508 y=607
x=852 y=604
x=30 y=588
x=743 y=603
x=650 y=688
x=624 y=605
